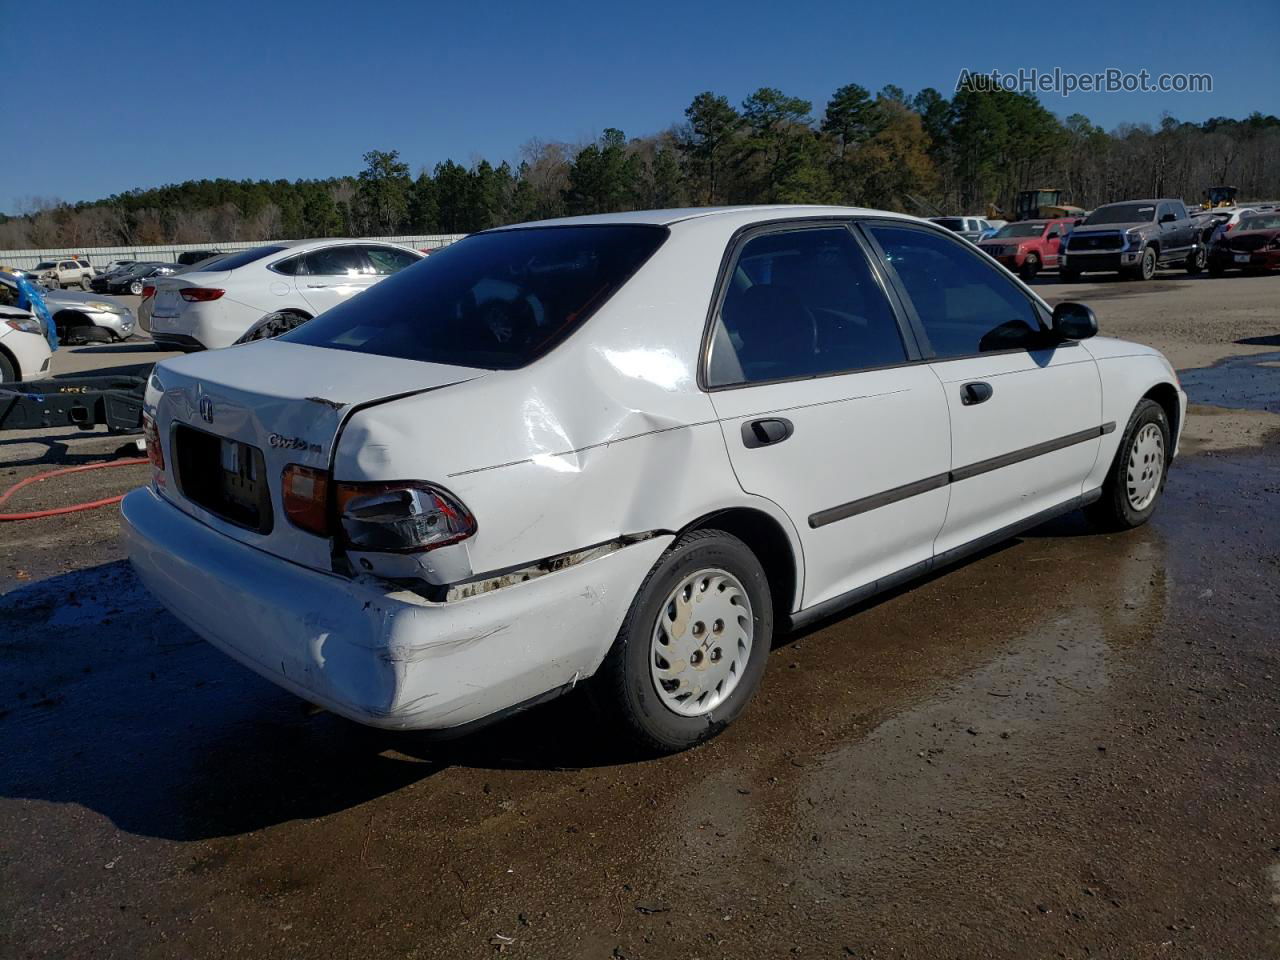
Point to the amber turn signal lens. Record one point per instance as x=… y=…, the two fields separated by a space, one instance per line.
x=305 y=494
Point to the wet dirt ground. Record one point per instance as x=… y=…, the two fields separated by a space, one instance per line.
x=1069 y=746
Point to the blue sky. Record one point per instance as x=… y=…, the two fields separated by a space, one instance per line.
x=158 y=93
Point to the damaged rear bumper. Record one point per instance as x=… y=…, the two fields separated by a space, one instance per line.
x=372 y=652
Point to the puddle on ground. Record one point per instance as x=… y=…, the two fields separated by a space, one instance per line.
x=1242 y=382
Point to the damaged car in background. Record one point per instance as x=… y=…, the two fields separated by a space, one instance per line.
x=628 y=449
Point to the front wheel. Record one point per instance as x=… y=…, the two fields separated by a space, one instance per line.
x=1137 y=475
x=1030 y=267
x=1147 y=266
x=1197 y=259
x=136 y=288
x=693 y=646
x=7 y=373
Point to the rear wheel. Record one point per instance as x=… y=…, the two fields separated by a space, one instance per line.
x=1137 y=475
x=1197 y=259
x=1068 y=276
x=136 y=288
x=274 y=324
x=693 y=646
x=1216 y=269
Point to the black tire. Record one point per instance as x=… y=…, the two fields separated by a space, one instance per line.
x=624 y=689
x=1146 y=268
x=7 y=373
x=274 y=324
x=1030 y=267
x=1197 y=259
x=1068 y=276
x=1115 y=511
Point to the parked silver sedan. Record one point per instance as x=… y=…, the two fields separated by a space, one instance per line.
x=87 y=316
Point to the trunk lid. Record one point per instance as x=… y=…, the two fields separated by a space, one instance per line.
x=231 y=420
x=168 y=299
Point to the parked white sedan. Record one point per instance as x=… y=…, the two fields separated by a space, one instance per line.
x=263 y=292
x=630 y=448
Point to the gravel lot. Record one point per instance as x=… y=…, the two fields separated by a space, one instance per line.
x=1069 y=746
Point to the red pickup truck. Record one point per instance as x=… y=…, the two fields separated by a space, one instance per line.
x=1029 y=246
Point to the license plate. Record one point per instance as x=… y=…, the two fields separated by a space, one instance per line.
x=225 y=477
x=1242 y=258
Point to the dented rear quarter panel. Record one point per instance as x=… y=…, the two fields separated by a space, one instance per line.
x=607 y=435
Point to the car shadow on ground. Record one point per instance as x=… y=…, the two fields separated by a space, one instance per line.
x=110 y=703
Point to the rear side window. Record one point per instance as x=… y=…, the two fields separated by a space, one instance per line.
x=233 y=260
x=288 y=267
x=801 y=303
x=496 y=300
x=965 y=303
x=335 y=262
x=389 y=260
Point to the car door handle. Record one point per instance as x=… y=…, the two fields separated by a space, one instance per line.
x=976 y=392
x=762 y=433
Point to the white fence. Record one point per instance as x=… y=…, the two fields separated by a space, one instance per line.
x=167 y=253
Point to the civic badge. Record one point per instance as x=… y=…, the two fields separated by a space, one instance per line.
x=206 y=409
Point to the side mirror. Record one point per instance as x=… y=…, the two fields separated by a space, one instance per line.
x=1074 y=321
x=1168 y=218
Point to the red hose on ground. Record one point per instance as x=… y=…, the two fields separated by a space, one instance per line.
x=75 y=507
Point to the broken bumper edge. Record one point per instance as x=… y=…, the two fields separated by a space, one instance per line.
x=372 y=652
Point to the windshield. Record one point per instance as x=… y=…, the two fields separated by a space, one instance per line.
x=497 y=300
x=1122 y=213
x=1269 y=222
x=45 y=265
x=1021 y=230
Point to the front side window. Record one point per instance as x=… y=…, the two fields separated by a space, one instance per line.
x=966 y=305
x=801 y=303
x=495 y=300
x=389 y=260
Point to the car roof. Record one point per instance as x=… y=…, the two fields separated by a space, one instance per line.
x=736 y=216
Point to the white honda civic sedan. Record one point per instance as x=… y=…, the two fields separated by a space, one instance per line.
x=629 y=448
x=263 y=292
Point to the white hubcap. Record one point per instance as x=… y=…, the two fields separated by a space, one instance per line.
x=1146 y=467
x=701 y=642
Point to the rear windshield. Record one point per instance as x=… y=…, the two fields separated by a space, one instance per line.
x=1122 y=213
x=496 y=300
x=1269 y=222
x=233 y=260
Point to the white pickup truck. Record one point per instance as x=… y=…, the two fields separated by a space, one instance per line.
x=67 y=272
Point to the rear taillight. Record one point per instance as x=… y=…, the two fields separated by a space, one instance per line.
x=1230 y=227
x=148 y=292
x=400 y=517
x=305 y=495
x=151 y=435
x=407 y=516
x=200 y=294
